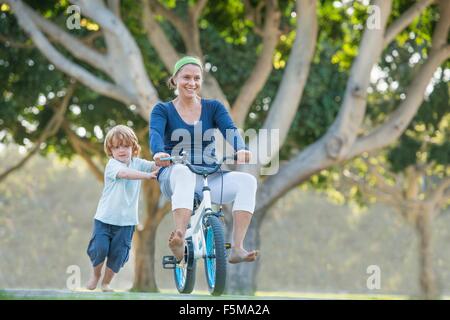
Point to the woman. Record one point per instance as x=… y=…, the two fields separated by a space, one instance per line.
x=185 y=123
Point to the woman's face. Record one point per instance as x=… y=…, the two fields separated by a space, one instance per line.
x=189 y=81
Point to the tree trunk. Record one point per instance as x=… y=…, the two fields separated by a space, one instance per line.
x=427 y=276
x=241 y=277
x=144 y=269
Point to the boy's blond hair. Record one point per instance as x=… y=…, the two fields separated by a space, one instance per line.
x=121 y=135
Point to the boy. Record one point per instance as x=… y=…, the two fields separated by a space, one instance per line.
x=117 y=211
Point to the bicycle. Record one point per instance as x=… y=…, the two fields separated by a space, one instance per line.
x=204 y=238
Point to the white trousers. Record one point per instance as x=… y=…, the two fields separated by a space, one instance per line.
x=179 y=184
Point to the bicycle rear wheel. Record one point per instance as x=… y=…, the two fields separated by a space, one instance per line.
x=184 y=272
x=215 y=260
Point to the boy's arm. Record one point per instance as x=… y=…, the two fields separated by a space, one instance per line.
x=132 y=174
x=147 y=166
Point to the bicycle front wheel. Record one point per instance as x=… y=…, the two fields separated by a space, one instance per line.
x=215 y=260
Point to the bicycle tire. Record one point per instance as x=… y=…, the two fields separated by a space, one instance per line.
x=184 y=273
x=215 y=260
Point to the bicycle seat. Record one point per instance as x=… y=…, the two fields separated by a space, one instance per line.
x=201 y=170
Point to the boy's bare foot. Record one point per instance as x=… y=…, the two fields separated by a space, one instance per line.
x=106 y=288
x=238 y=255
x=92 y=283
x=176 y=244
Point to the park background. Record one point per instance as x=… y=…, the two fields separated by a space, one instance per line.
x=358 y=90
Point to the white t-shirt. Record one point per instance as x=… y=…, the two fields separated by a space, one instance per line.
x=118 y=204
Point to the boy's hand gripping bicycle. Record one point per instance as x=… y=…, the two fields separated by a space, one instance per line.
x=204 y=238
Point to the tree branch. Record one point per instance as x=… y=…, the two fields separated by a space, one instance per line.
x=50 y=129
x=379 y=191
x=440 y=34
x=400 y=119
x=191 y=38
x=15 y=44
x=254 y=14
x=444 y=200
x=76 y=47
x=325 y=151
x=64 y=64
x=87 y=146
x=380 y=181
x=114 y=5
x=435 y=196
x=77 y=145
x=188 y=29
x=157 y=37
x=197 y=9
x=405 y=20
x=263 y=67
x=316 y=157
x=341 y=135
x=283 y=109
x=391 y=129
x=175 y=20
x=91 y=37
x=88 y=40
x=124 y=56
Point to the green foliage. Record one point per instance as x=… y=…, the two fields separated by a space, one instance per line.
x=31 y=87
x=227 y=18
x=30 y=84
x=320 y=104
x=404 y=154
x=427 y=131
x=441 y=153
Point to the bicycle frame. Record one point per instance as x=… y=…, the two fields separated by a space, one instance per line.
x=196 y=231
x=204 y=238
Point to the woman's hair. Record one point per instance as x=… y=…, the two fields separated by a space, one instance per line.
x=179 y=65
x=171 y=83
x=121 y=135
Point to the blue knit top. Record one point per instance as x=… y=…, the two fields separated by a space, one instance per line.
x=171 y=134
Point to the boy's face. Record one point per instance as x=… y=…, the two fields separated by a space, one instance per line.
x=121 y=152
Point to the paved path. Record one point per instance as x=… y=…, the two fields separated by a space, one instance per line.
x=119 y=295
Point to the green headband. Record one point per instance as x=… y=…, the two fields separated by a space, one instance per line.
x=184 y=61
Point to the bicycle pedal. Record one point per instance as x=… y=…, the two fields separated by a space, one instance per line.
x=169 y=262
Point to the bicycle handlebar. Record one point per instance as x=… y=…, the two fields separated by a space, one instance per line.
x=204 y=171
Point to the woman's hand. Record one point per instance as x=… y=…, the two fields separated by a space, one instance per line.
x=160 y=163
x=243 y=156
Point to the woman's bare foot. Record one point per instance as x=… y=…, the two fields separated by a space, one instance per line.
x=92 y=283
x=176 y=244
x=106 y=288
x=238 y=255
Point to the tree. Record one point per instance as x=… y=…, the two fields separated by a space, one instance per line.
x=125 y=78
x=411 y=176
x=417 y=183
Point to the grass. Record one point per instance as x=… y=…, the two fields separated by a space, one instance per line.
x=55 y=294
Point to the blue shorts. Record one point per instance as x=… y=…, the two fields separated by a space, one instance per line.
x=110 y=242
